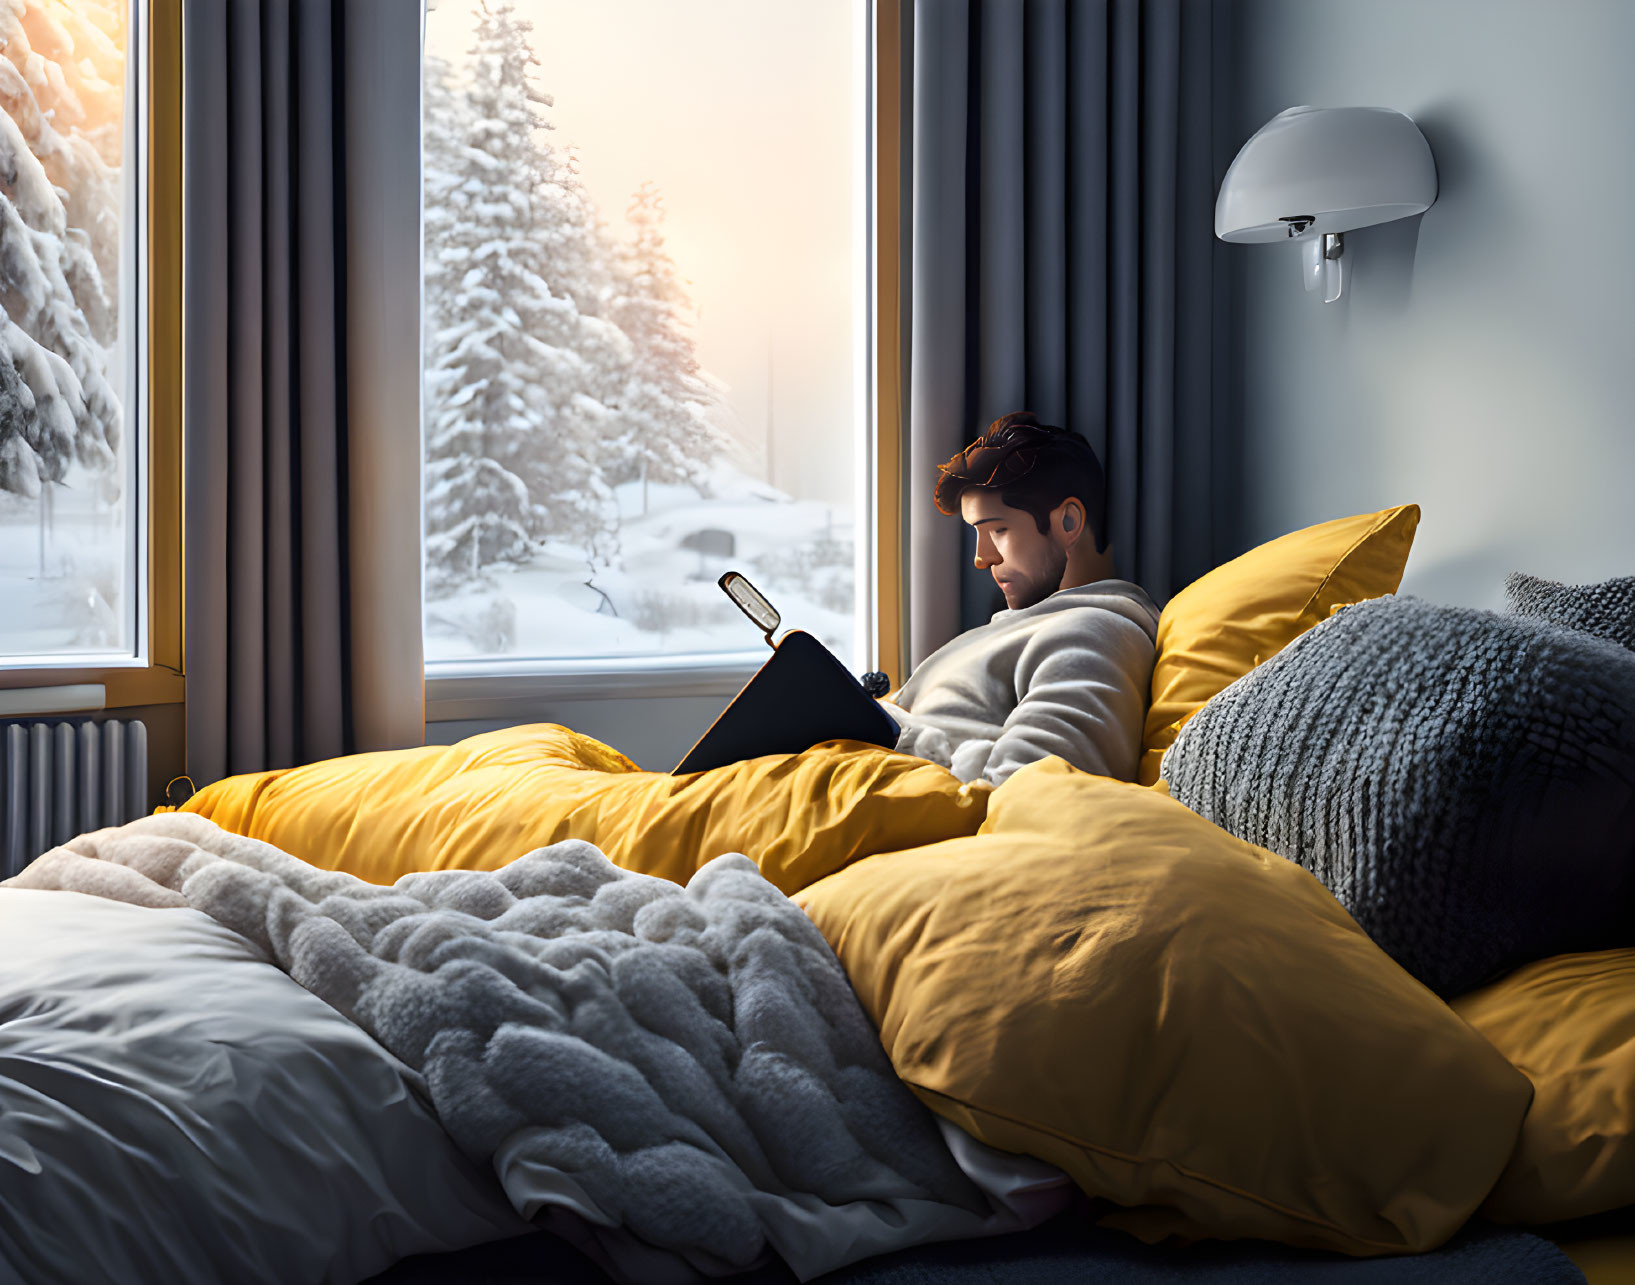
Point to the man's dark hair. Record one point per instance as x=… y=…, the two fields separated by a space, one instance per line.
x=1033 y=467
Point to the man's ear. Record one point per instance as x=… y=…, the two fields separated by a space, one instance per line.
x=1072 y=519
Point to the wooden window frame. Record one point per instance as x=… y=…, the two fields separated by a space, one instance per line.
x=890 y=378
x=161 y=681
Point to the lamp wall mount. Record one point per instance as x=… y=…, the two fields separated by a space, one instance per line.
x=1323 y=268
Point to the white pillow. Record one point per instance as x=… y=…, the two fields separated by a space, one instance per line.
x=175 y=1108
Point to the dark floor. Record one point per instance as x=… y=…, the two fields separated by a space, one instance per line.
x=1070 y=1249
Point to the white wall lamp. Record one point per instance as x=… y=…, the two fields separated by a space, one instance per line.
x=1311 y=174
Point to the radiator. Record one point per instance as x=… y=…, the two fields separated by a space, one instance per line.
x=64 y=777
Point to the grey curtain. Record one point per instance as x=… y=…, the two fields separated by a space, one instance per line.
x=1061 y=226
x=287 y=391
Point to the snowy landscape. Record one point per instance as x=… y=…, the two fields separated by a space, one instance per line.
x=583 y=491
x=66 y=524
x=798 y=553
x=62 y=571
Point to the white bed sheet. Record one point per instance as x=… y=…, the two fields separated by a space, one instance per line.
x=175 y=1108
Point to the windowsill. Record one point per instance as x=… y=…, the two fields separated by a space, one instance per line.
x=520 y=689
x=129 y=685
x=67 y=662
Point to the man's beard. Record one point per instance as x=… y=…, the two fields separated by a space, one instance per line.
x=1032 y=590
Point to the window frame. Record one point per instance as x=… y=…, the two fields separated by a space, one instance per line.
x=159 y=372
x=889 y=214
x=515 y=689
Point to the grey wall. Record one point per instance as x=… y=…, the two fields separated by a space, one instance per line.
x=1482 y=360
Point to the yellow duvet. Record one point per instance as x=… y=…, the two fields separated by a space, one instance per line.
x=487 y=800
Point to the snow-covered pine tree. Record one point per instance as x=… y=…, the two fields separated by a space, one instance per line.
x=476 y=513
x=579 y=266
x=581 y=263
x=661 y=409
x=567 y=223
x=445 y=127
x=61 y=105
x=501 y=353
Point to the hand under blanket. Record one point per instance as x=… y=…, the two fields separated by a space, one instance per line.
x=685 y=1070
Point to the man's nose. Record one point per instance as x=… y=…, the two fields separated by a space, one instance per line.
x=986 y=555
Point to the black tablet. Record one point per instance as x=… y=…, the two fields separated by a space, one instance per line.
x=801 y=697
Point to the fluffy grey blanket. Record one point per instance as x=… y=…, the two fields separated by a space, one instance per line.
x=687 y=1070
x=1463 y=781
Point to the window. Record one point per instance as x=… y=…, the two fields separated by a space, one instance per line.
x=67 y=371
x=88 y=563
x=646 y=330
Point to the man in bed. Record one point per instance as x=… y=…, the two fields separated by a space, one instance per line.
x=1064 y=669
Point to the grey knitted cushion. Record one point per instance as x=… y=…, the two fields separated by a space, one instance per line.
x=1463 y=781
x=1606 y=610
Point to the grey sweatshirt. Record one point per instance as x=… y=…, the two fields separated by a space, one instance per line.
x=1066 y=676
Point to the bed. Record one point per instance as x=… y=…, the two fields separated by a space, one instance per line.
x=1066 y=1029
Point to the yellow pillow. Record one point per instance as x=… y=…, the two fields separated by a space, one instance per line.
x=1569 y=1024
x=1188 y=1025
x=1247 y=610
x=489 y=799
